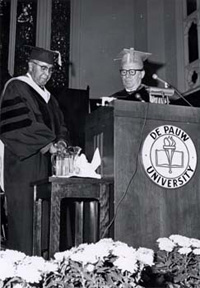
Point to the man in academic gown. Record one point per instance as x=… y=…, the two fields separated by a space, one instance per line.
x=31 y=123
x=132 y=72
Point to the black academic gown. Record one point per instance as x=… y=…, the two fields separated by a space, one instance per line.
x=138 y=95
x=27 y=124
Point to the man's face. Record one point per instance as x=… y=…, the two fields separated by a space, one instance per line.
x=131 y=79
x=40 y=72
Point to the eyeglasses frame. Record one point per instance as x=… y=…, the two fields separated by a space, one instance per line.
x=128 y=71
x=44 y=68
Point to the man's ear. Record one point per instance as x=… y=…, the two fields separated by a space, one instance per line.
x=30 y=66
x=142 y=73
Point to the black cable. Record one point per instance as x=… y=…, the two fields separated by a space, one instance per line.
x=131 y=179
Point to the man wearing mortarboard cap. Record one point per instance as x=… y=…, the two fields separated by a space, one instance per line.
x=132 y=72
x=31 y=122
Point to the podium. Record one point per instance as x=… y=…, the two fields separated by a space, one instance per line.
x=152 y=151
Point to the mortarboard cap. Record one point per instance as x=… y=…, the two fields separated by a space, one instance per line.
x=132 y=56
x=45 y=55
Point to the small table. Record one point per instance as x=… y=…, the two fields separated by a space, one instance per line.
x=57 y=188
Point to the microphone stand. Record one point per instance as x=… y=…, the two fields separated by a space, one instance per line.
x=180 y=95
x=167 y=85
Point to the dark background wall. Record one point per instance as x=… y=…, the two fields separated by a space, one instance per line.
x=91 y=33
x=146 y=25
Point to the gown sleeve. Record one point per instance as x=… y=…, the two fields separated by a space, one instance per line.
x=22 y=128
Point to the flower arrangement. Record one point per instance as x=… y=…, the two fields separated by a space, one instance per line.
x=177 y=262
x=107 y=264
x=18 y=270
x=104 y=264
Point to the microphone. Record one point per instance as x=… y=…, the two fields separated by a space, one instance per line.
x=138 y=97
x=155 y=76
x=167 y=85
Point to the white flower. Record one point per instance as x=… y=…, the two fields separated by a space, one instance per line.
x=145 y=256
x=29 y=273
x=165 y=244
x=107 y=241
x=65 y=255
x=196 y=251
x=181 y=240
x=185 y=250
x=50 y=267
x=60 y=256
x=195 y=242
x=100 y=249
x=80 y=247
x=12 y=255
x=7 y=269
x=126 y=264
x=92 y=253
x=18 y=285
x=39 y=264
x=84 y=257
x=123 y=250
x=34 y=261
x=90 y=267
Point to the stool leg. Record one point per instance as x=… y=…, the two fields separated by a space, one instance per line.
x=78 y=223
x=93 y=206
x=3 y=220
x=37 y=227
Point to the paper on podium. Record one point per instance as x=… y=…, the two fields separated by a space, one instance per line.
x=86 y=169
x=96 y=160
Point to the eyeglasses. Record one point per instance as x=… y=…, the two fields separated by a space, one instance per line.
x=131 y=72
x=44 y=68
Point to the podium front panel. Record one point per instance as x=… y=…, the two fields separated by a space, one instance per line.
x=147 y=210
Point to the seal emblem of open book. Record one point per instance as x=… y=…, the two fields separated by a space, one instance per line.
x=169 y=156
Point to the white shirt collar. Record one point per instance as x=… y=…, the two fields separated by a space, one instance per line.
x=45 y=94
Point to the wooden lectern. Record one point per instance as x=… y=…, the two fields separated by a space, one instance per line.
x=156 y=183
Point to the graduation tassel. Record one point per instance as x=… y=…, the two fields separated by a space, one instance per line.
x=59 y=58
